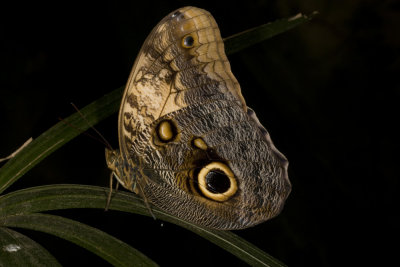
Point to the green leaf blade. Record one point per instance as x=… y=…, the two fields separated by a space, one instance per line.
x=245 y=39
x=55 y=197
x=19 y=250
x=57 y=136
x=107 y=247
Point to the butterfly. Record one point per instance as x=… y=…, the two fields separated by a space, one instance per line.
x=188 y=143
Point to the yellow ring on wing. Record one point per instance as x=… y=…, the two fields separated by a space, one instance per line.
x=217 y=181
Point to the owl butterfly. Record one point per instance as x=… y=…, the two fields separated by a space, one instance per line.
x=188 y=142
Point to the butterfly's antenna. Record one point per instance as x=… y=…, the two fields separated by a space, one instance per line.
x=81 y=131
x=102 y=138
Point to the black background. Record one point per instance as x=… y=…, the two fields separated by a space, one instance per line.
x=326 y=91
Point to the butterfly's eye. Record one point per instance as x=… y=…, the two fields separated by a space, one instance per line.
x=111 y=159
x=166 y=131
x=217 y=182
x=187 y=41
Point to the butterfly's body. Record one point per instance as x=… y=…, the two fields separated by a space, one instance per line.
x=188 y=143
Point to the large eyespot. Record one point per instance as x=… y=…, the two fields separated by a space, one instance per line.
x=217 y=181
x=166 y=131
x=188 y=41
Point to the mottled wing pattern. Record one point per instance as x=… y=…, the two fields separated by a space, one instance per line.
x=167 y=76
x=188 y=142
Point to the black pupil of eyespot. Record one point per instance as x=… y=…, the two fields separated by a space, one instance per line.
x=188 y=40
x=217 y=181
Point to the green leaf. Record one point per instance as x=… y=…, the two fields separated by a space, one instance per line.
x=19 y=250
x=109 y=248
x=57 y=136
x=250 y=37
x=45 y=198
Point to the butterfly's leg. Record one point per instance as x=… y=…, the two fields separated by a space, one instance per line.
x=146 y=202
x=109 y=192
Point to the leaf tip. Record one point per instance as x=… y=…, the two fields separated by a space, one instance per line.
x=299 y=15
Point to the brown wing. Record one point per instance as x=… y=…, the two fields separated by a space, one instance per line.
x=186 y=136
x=181 y=62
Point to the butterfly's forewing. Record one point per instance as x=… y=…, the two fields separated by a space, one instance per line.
x=186 y=136
x=167 y=76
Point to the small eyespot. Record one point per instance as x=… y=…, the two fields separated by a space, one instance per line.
x=166 y=131
x=199 y=143
x=217 y=181
x=188 y=41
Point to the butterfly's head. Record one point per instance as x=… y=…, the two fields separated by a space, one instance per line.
x=120 y=169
